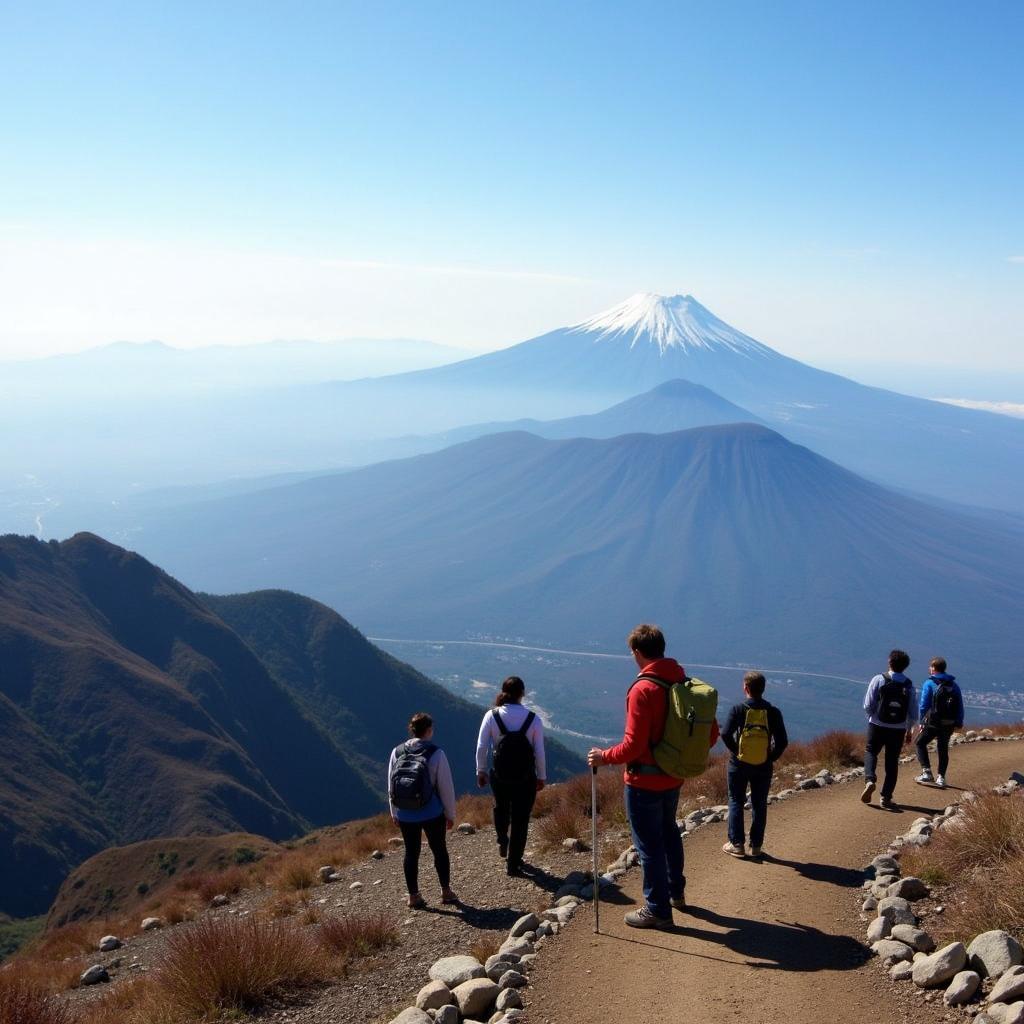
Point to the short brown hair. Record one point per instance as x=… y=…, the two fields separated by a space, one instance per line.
x=420 y=724
x=754 y=682
x=898 y=660
x=647 y=640
x=938 y=665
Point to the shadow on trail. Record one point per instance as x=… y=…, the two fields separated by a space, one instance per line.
x=778 y=946
x=773 y=946
x=484 y=918
x=847 y=878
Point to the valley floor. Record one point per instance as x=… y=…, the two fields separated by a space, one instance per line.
x=769 y=942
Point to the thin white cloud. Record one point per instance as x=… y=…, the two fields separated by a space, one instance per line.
x=1015 y=409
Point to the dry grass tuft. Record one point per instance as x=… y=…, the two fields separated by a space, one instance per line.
x=475 y=809
x=43 y=975
x=488 y=944
x=294 y=873
x=564 y=820
x=207 y=884
x=837 y=749
x=70 y=940
x=230 y=964
x=355 y=935
x=24 y=1002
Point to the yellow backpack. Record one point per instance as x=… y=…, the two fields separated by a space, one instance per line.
x=755 y=738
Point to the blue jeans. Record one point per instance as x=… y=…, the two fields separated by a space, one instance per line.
x=652 y=820
x=759 y=779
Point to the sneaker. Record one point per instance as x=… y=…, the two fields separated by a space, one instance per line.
x=514 y=870
x=940 y=781
x=503 y=851
x=888 y=804
x=679 y=904
x=756 y=851
x=645 y=918
x=449 y=897
x=733 y=850
x=869 y=788
x=925 y=778
x=416 y=901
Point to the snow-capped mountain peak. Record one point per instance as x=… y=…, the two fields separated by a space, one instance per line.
x=668 y=321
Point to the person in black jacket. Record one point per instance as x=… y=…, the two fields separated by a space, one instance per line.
x=756 y=737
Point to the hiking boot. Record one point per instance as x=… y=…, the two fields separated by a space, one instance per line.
x=940 y=781
x=645 y=918
x=679 y=904
x=869 y=788
x=887 y=803
x=733 y=850
x=925 y=778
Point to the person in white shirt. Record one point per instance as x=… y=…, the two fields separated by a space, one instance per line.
x=518 y=769
x=422 y=799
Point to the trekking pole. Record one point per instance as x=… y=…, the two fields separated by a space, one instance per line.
x=593 y=846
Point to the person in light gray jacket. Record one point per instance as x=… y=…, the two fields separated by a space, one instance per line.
x=891 y=707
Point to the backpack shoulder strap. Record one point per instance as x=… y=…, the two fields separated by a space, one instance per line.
x=663 y=683
x=525 y=727
x=499 y=723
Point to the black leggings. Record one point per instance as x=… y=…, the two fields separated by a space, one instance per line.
x=412 y=833
x=883 y=739
x=513 y=804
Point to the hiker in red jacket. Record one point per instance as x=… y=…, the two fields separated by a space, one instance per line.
x=652 y=797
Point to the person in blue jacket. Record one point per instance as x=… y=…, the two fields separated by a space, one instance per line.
x=941 y=713
x=891 y=707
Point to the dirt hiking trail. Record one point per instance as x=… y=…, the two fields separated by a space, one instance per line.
x=776 y=941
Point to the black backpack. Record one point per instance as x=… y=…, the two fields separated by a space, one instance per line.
x=411 y=788
x=513 y=753
x=894 y=702
x=943 y=709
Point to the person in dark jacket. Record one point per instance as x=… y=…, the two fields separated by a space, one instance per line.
x=755 y=734
x=941 y=714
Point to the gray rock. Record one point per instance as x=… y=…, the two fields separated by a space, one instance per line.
x=467 y=829
x=880 y=928
x=150 y=924
x=475 y=997
x=897 y=909
x=901 y=971
x=509 y=959
x=527 y=923
x=455 y=970
x=512 y=979
x=324 y=874
x=870 y=905
x=377 y=855
x=890 y=952
x=808 y=784
x=1010 y=987
x=562 y=914
x=222 y=899
x=526 y=962
x=941 y=967
x=447 y=1015
x=916 y=840
x=885 y=865
x=520 y=946
x=574 y=845
x=1005 y=1013
x=993 y=953
x=433 y=996
x=412 y=1015
x=508 y=999
x=109 y=943
x=909 y=888
x=962 y=988
x=546 y=928
x=95 y=975
x=916 y=938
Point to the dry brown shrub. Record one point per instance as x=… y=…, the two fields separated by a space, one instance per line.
x=22 y=1001
x=43 y=974
x=475 y=809
x=988 y=832
x=712 y=785
x=140 y=1001
x=294 y=873
x=69 y=940
x=283 y=904
x=207 y=884
x=235 y=964
x=489 y=943
x=995 y=901
x=563 y=821
x=349 y=936
x=837 y=749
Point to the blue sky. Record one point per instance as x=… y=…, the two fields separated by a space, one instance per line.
x=844 y=181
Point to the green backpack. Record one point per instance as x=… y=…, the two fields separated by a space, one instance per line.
x=686 y=743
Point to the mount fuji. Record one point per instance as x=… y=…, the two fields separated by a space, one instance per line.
x=963 y=455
